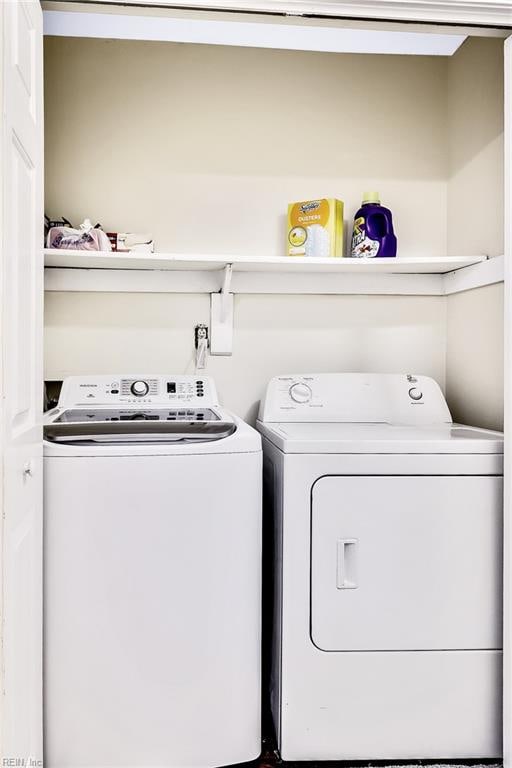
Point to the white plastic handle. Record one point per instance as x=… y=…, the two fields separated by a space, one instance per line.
x=346 y=564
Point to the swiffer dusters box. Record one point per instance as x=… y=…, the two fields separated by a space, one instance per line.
x=315 y=228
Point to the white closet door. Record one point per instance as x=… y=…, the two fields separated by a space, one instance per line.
x=507 y=517
x=21 y=285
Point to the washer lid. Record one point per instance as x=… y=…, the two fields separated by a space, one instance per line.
x=91 y=415
x=381 y=438
x=142 y=437
x=88 y=427
x=137 y=431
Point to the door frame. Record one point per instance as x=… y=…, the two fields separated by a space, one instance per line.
x=507 y=469
x=465 y=12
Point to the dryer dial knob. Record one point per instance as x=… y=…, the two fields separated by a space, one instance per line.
x=139 y=388
x=300 y=392
x=415 y=394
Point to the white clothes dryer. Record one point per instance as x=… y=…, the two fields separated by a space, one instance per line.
x=152 y=530
x=388 y=570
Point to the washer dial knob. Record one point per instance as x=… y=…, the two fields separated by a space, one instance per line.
x=415 y=393
x=139 y=388
x=300 y=392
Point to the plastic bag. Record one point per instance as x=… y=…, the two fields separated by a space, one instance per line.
x=87 y=238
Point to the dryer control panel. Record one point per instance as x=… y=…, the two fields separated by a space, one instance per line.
x=355 y=397
x=138 y=390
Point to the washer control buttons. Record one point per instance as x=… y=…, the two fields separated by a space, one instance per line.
x=139 y=388
x=415 y=393
x=300 y=392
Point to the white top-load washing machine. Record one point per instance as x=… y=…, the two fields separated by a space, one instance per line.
x=388 y=558
x=152 y=576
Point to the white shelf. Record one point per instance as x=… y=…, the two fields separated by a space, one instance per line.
x=188 y=273
x=293 y=264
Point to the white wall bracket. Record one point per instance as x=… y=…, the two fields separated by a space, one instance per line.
x=221 y=317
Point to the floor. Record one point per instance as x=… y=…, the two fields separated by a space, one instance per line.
x=271 y=759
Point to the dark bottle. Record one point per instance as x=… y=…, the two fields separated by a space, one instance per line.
x=373 y=234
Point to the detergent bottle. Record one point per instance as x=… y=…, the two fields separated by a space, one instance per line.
x=373 y=233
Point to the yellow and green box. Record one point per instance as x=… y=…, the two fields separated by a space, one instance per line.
x=315 y=228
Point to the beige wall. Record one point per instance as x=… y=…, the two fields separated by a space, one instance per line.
x=475 y=149
x=474 y=363
x=474 y=375
x=153 y=333
x=204 y=146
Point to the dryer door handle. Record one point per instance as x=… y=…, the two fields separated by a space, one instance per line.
x=346 y=564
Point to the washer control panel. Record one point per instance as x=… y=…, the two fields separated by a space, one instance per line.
x=355 y=397
x=139 y=390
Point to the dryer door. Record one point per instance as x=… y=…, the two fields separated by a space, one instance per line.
x=406 y=563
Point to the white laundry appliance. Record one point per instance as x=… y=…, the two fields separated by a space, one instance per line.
x=388 y=565
x=152 y=576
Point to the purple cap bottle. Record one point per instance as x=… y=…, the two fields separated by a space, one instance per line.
x=373 y=234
